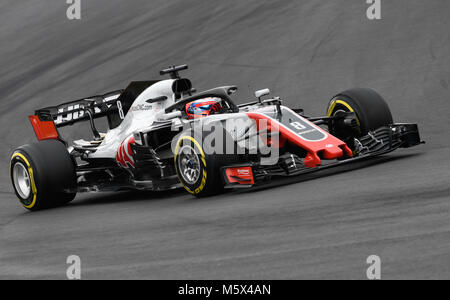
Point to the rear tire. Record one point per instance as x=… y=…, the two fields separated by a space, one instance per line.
x=42 y=173
x=372 y=112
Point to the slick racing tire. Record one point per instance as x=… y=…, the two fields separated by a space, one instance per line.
x=42 y=173
x=198 y=171
x=371 y=110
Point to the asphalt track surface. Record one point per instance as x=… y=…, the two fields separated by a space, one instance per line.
x=322 y=226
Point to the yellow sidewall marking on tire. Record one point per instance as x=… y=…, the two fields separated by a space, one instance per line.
x=342 y=102
x=30 y=172
x=203 y=183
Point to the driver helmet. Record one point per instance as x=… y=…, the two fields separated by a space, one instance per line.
x=203 y=107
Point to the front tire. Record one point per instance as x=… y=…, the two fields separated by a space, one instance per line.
x=198 y=168
x=371 y=110
x=41 y=175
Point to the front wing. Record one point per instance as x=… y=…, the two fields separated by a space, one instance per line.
x=381 y=141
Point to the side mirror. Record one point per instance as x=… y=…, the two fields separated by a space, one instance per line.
x=161 y=116
x=232 y=90
x=262 y=93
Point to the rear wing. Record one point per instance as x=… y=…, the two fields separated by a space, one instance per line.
x=71 y=112
x=113 y=105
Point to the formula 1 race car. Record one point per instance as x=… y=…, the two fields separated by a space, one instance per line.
x=164 y=135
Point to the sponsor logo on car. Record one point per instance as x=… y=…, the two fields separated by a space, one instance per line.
x=124 y=155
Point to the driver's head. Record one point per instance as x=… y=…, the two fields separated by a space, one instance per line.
x=203 y=107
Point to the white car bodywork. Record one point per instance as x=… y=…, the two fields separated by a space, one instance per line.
x=140 y=115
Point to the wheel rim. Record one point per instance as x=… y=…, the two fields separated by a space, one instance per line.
x=22 y=181
x=338 y=111
x=189 y=165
